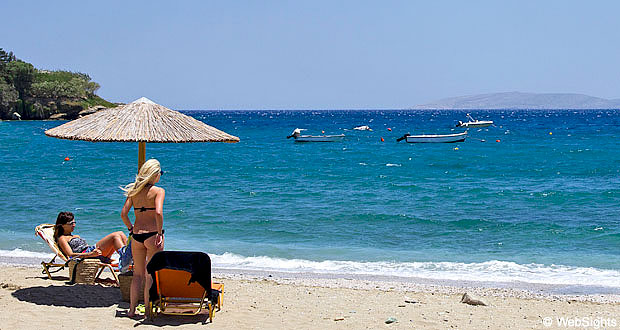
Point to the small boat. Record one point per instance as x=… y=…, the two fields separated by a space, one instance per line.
x=474 y=123
x=314 y=138
x=434 y=138
x=362 y=128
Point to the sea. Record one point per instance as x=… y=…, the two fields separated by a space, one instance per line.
x=533 y=199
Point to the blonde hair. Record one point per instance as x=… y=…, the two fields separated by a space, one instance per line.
x=147 y=175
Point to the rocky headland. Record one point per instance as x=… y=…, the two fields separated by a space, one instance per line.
x=30 y=93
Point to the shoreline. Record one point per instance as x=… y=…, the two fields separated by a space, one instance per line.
x=253 y=301
x=521 y=290
x=529 y=290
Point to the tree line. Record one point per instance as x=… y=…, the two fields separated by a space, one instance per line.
x=30 y=93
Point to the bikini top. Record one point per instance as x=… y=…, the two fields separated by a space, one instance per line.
x=143 y=209
x=78 y=244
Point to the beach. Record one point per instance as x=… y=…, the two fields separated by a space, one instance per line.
x=29 y=299
x=330 y=164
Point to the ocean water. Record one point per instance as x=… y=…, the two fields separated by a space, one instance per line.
x=534 y=198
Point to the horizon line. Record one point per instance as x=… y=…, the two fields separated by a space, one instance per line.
x=401 y=109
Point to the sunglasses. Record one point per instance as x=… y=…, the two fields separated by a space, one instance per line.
x=71 y=223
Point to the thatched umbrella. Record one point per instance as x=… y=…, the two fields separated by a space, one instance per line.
x=140 y=121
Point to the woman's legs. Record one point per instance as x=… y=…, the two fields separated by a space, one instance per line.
x=111 y=243
x=139 y=252
x=151 y=249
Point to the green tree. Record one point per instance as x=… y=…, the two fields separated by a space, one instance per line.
x=21 y=75
x=7 y=57
x=8 y=98
x=4 y=59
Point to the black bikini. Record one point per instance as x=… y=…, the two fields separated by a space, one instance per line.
x=144 y=236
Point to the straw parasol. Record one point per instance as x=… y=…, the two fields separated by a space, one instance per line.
x=140 y=121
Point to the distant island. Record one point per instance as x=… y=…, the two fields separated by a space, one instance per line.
x=518 y=100
x=30 y=93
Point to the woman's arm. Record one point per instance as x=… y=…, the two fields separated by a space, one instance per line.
x=63 y=244
x=159 y=215
x=159 y=209
x=125 y=212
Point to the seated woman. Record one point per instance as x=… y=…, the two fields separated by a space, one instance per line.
x=75 y=246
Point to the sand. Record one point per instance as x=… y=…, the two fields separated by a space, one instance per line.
x=29 y=300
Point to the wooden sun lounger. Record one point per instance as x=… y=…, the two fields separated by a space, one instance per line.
x=46 y=232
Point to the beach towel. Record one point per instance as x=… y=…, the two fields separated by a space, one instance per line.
x=198 y=264
x=125 y=260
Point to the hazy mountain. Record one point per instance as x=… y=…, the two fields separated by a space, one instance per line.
x=517 y=100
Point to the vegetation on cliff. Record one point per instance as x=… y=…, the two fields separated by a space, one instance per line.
x=30 y=93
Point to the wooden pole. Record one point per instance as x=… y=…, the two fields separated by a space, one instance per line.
x=141 y=154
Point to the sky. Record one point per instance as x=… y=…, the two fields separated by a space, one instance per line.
x=320 y=54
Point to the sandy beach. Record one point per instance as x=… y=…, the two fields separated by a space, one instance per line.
x=29 y=299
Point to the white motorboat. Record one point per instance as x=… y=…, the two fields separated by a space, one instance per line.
x=474 y=123
x=434 y=138
x=362 y=128
x=314 y=138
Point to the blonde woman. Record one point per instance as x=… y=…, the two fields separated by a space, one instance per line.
x=147 y=230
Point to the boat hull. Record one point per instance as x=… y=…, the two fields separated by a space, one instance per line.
x=319 y=138
x=478 y=123
x=446 y=138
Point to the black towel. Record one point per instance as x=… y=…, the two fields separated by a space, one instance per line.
x=196 y=263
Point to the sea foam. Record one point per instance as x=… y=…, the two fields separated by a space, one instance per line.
x=19 y=253
x=489 y=271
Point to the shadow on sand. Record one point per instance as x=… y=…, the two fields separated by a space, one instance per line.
x=54 y=278
x=103 y=281
x=165 y=320
x=86 y=296
x=79 y=295
x=175 y=320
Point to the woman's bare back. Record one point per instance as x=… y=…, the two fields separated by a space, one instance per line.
x=145 y=209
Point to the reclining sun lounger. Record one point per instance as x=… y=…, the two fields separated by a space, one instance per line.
x=46 y=232
x=182 y=284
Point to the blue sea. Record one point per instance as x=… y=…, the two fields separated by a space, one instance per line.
x=535 y=198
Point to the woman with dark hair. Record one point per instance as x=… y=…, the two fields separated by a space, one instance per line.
x=75 y=246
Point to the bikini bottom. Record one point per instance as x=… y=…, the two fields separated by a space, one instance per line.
x=144 y=236
x=103 y=259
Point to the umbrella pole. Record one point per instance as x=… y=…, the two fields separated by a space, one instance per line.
x=141 y=154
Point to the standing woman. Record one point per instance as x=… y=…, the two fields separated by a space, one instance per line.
x=147 y=231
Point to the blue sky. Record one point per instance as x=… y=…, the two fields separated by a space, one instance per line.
x=320 y=54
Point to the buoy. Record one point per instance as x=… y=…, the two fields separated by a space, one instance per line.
x=389 y=129
x=550 y=133
x=382 y=140
x=67 y=159
x=456 y=148
x=497 y=140
x=322 y=132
